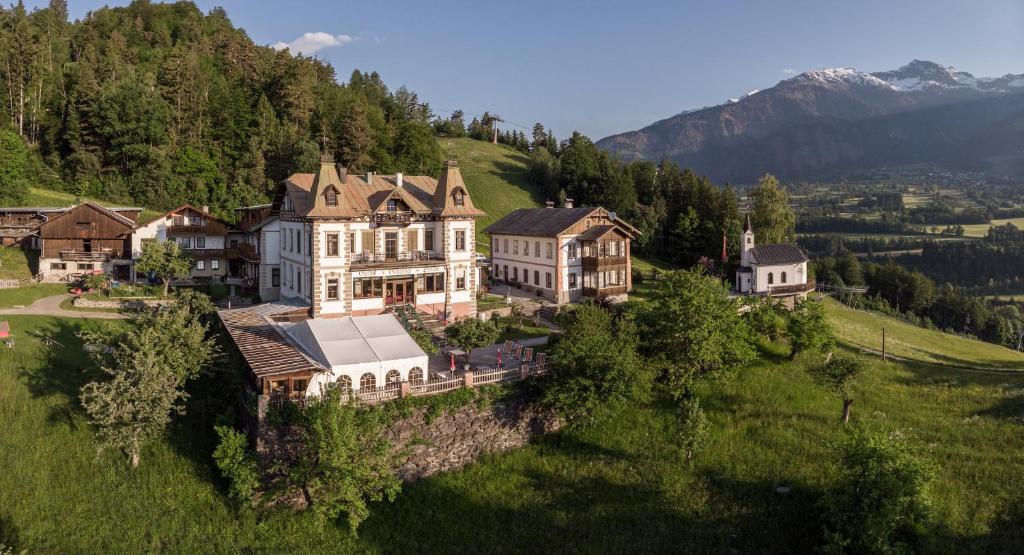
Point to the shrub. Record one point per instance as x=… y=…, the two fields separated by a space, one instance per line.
x=879 y=499
x=694 y=430
x=218 y=291
x=767 y=320
x=236 y=463
x=96 y=281
x=638 y=277
x=424 y=339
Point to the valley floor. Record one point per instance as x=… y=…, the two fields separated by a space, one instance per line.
x=620 y=487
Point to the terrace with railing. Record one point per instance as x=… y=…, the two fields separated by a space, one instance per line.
x=436 y=386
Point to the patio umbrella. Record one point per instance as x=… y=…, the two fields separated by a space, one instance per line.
x=499 y=357
x=453 y=362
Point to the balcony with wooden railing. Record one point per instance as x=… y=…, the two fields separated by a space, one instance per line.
x=402 y=218
x=83 y=256
x=600 y=292
x=412 y=258
x=248 y=252
x=778 y=290
x=187 y=229
x=594 y=263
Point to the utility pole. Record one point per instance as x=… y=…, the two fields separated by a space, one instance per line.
x=883 y=343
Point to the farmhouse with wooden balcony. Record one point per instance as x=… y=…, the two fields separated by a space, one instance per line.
x=201 y=235
x=360 y=244
x=774 y=270
x=86 y=238
x=564 y=254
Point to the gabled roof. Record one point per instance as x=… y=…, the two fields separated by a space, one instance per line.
x=179 y=209
x=768 y=255
x=597 y=232
x=550 y=222
x=128 y=222
x=363 y=194
x=444 y=196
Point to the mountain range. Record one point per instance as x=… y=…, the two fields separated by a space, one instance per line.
x=841 y=121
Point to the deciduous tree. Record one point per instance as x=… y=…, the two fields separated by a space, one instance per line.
x=166 y=260
x=838 y=375
x=344 y=460
x=596 y=370
x=470 y=333
x=808 y=328
x=772 y=217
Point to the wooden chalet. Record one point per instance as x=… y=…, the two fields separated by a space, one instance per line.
x=86 y=238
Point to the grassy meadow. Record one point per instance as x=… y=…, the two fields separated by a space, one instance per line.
x=860 y=328
x=496 y=177
x=617 y=487
x=16 y=263
x=24 y=296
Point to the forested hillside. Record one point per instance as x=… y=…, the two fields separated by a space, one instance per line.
x=159 y=104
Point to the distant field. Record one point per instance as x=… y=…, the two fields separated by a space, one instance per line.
x=864 y=329
x=980 y=230
x=496 y=177
x=916 y=201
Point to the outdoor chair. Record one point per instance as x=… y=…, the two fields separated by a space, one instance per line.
x=528 y=354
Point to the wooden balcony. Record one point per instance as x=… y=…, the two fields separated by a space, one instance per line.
x=208 y=254
x=782 y=290
x=413 y=258
x=82 y=256
x=604 y=291
x=248 y=252
x=187 y=229
x=594 y=263
x=393 y=218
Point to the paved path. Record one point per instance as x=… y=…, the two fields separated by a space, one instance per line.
x=50 y=306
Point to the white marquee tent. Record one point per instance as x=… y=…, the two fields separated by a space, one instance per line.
x=355 y=346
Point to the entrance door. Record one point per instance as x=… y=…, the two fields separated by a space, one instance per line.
x=399 y=292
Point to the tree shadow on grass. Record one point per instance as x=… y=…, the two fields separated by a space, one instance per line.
x=576 y=497
x=64 y=367
x=8 y=533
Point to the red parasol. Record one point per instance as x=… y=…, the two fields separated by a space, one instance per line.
x=453 y=362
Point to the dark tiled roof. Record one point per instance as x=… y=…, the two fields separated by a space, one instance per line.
x=544 y=222
x=767 y=255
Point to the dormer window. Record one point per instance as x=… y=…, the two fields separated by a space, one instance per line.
x=459 y=197
x=287 y=203
x=392 y=205
x=331 y=197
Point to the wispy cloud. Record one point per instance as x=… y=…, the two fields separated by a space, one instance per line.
x=788 y=71
x=309 y=43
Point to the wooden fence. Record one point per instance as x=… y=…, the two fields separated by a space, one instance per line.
x=14 y=283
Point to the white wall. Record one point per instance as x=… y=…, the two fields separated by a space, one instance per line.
x=796 y=274
x=525 y=260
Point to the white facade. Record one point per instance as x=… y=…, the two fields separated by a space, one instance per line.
x=757 y=278
x=540 y=262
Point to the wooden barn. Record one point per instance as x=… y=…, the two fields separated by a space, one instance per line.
x=83 y=239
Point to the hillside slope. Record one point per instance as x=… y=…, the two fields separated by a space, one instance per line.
x=496 y=177
x=863 y=329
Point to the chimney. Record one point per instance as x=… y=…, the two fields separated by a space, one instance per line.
x=568 y=203
x=369 y=178
x=342 y=172
x=549 y=204
x=206 y=209
x=398 y=180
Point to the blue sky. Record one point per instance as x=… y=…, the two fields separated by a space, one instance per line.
x=603 y=67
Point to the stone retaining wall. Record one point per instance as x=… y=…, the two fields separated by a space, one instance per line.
x=127 y=302
x=454 y=440
x=448 y=442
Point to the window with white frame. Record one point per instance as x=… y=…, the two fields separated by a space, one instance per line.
x=551 y=251
x=215 y=264
x=571 y=250
x=200 y=264
x=572 y=280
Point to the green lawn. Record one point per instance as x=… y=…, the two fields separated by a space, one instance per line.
x=496 y=177
x=617 y=488
x=16 y=263
x=24 y=296
x=529 y=330
x=490 y=301
x=863 y=329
